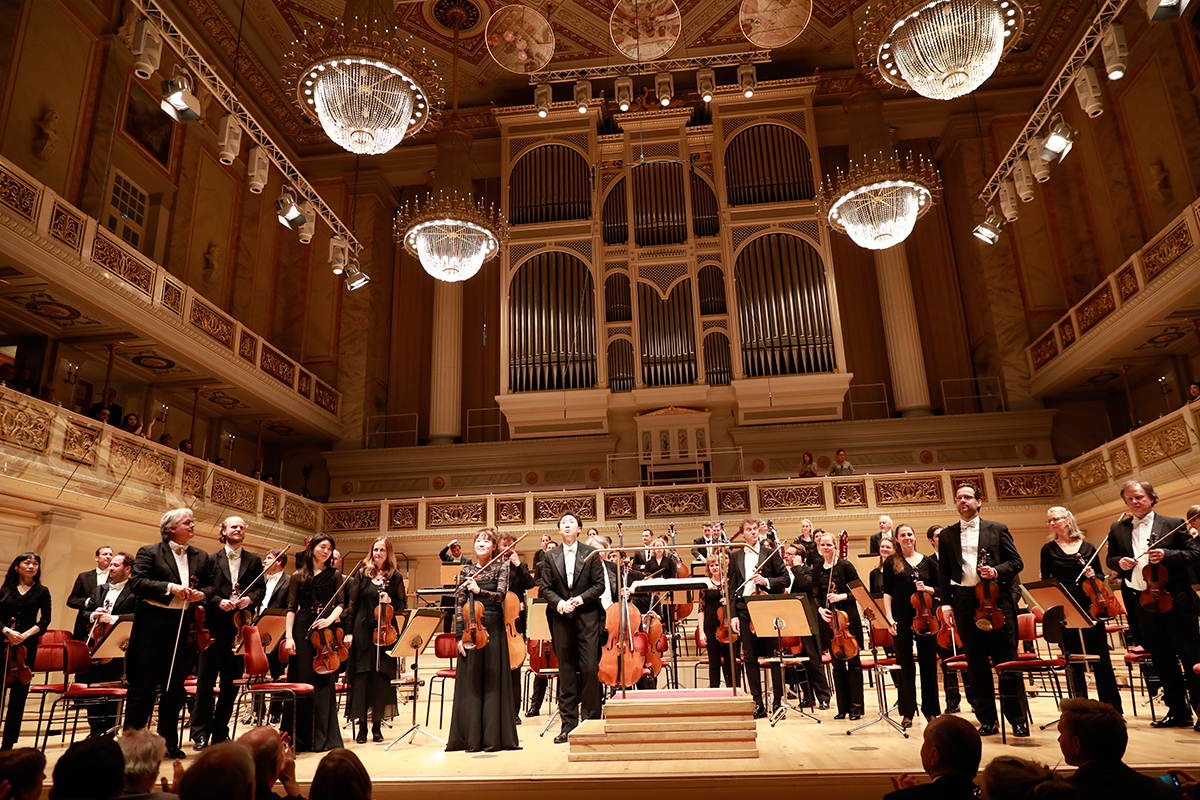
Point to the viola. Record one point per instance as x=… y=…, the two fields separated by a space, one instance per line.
x=624 y=654
x=516 y=642
x=16 y=668
x=1103 y=604
x=925 y=622
x=1155 y=597
x=385 y=623
x=947 y=637
x=194 y=619
x=330 y=650
x=988 y=616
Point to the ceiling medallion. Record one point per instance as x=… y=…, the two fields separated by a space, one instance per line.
x=773 y=23
x=645 y=30
x=940 y=49
x=465 y=10
x=520 y=39
x=366 y=86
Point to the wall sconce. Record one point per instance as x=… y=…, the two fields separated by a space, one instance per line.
x=72 y=374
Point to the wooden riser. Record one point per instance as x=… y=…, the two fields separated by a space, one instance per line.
x=667 y=726
x=665 y=741
x=656 y=755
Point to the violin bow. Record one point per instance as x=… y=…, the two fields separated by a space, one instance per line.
x=505 y=552
x=758 y=569
x=325 y=609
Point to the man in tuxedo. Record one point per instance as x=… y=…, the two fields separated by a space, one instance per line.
x=800 y=581
x=1171 y=637
x=234 y=576
x=1093 y=737
x=959 y=571
x=949 y=676
x=950 y=755
x=159 y=654
x=110 y=600
x=772 y=577
x=84 y=588
x=572 y=584
x=712 y=535
x=643 y=553
x=884 y=532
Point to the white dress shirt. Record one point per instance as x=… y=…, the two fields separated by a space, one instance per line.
x=969 y=539
x=181 y=561
x=271 y=582
x=606 y=598
x=235 y=563
x=1140 y=542
x=110 y=597
x=751 y=565
x=569 y=563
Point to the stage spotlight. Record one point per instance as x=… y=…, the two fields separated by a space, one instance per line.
x=1023 y=181
x=989 y=230
x=229 y=139
x=1087 y=89
x=258 y=170
x=1008 y=200
x=747 y=80
x=541 y=99
x=147 y=49
x=355 y=277
x=1116 y=51
x=310 y=223
x=1038 y=168
x=624 y=93
x=706 y=84
x=178 y=99
x=288 y=210
x=1059 y=139
x=339 y=254
x=664 y=86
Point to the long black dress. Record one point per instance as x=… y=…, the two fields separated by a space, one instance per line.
x=718 y=654
x=370 y=688
x=27 y=609
x=847 y=673
x=316 y=714
x=484 y=716
x=901 y=589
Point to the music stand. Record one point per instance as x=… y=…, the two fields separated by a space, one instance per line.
x=272 y=629
x=782 y=614
x=450 y=574
x=874 y=614
x=116 y=642
x=537 y=627
x=419 y=630
x=1051 y=594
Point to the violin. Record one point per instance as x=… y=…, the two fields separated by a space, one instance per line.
x=1103 y=604
x=656 y=643
x=385 y=623
x=99 y=630
x=475 y=634
x=1155 y=597
x=330 y=650
x=241 y=617
x=725 y=633
x=16 y=668
x=843 y=644
x=194 y=619
x=516 y=642
x=925 y=622
x=947 y=637
x=624 y=654
x=988 y=616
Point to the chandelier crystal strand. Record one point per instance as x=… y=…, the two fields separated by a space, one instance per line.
x=364 y=122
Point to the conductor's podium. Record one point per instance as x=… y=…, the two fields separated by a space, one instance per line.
x=669 y=724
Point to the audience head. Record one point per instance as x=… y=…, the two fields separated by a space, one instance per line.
x=1089 y=730
x=93 y=769
x=951 y=747
x=186 y=446
x=340 y=776
x=144 y=750
x=225 y=770
x=1013 y=778
x=25 y=770
x=267 y=750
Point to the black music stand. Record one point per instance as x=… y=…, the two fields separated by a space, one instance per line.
x=874 y=614
x=113 y=645
x=419 y=630
x=1049 y=596
x=783 y=614
x=272 y=629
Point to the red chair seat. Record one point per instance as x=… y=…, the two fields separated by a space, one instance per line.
x=1031 y=663
x=868 y=662
x=56 y=688
x=78 y=691
x=445 y=673
x=1136 y=655
x=1196 y=668
x=281 y=686
x=1115 y=628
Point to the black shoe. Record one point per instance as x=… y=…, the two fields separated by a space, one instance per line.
x=174 y=753
x=562 y=737
x=760 y=712
x=376 y=736
x=1020 y=730
x=989 y=729
x=906 y=722
x=840 y=716
x=1172 y=721
x=518 y=719
x=199 y=744
x=533 y=711
x=1197 y=727
x=854 y=717
x=952 y=709
x=361 y=738
x=824 y=706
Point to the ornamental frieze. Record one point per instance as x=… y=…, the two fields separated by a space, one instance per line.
x=270 y=505
x=620 y=505
x=1127 y=284
x=80 y=443
x=234 y=493
x=510 y=510
x=850 y=494
x=1122 y=464
x=972 y=479
x=24 y=425
x=246 y=346
x=172 y=298
x=277 y=365
x=734 y=500
x=908 y=491
x=212 y=322
x=791 y=498
x=108 y=254
x=325 y=397
x=300 y=514
x=193 y=479
x=1095 y=308
x=66 y=226
x=402 y=516
x=677 y=503
x=19 y=195
x=1087 y=473
x=1028 y=485
x=1163 y=253
x=354 y=518
x=133 y=459
x=1162 y=442
x=549 y=509
x=1044 y=350
x=455 y=514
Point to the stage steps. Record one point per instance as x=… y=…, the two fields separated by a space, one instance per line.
x=669 y=724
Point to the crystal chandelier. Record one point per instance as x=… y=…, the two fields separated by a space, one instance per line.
x=879 y=199
x=940 y=49
x=365 y=86
x=449 y=231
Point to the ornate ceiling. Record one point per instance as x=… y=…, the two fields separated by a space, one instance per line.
x=582 y=39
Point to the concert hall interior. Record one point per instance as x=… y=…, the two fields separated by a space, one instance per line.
x=364 y=270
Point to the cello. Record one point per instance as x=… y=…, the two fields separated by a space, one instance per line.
x=988 y=615
x=624 y=654
x=516 y=642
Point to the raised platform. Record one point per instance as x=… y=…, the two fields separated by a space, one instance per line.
x=668 y=725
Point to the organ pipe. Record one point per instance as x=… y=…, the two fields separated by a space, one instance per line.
x=767 y=164
x=550 y=183
x=658 y=205
x=551 y=319
x=668 y=335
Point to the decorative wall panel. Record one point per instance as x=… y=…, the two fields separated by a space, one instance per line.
x=1028 y=485
x=66 y=226
x=455 y=514
x=352 y=518
x=849 y=494
x=1159 y=444
x=24 y=426
x=791 y=498
x=733 y=500
x=133 y=459
x=908 y=491
x=1086 y=473
x=549 y=509
x=233 y=493
x=270 y=505
x=300 y=514
x=80 y=442
x=620 y=505
x=510 y=510
x=1166 y=250
x=212 y=322
x=677 y=503
x=974 y=479
x=402 y=516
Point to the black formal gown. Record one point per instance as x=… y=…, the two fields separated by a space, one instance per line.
x=901 y=587
x=847 y=673
x=27 y=609
x=371 y=686
x=316 y=714
x=485 y=710
x=718 y=653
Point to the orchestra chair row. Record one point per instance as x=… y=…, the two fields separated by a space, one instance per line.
x=76 y=659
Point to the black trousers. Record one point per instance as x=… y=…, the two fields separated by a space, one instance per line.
x=577 y=646
x=718 y=663
x=985 y=648
x=751 y=650
x=148 y=670
x=818 y=682
x=210 y=715
x=906 y=679
x=1173 y=641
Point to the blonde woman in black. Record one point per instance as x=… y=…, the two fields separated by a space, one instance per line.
x=835 y=596
x=710 y=601
x=905 y=573
x=371 y=689
x=25 y=612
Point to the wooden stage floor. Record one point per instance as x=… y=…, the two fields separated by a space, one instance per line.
x=797 y=754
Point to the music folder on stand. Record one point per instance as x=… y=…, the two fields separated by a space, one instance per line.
x=874 y=614
x=1061 y=610
x=419 y=630
x=116 y=642
x=782 y=615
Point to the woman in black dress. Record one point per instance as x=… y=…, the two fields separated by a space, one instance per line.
x=904 y=574
x=835 y=596
x=25 y=613
x=875 y=580
x=1062 y=559
x=371 y=669
x=485 y=710
x=314 y=586
x=710 y=601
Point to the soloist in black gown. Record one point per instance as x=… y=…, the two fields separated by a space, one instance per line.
x=317 y=727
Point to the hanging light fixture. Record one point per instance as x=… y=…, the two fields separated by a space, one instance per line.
x=990 y=229
x=879 y=199
x=940 y=49
x=366 y=87
x=449 y=231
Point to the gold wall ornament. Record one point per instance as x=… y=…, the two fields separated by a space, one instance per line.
x=325 y=397
x=300 y=514
x=270 y=505
x=80 y=443
x=1028 y=485
x=1162 y=442
x=973 y=479
x=353 y=518
x=791 y=498
x=277 y=365
x=733 y=500
x=1166 y=250
x=1127 y=283
x=24 y=425
x=212 y=322
x=1095 y=308
x=1122 y=464
x=1043 y=350
x=620 y=505
x=458 y=513
x=19 y=195
x=172 y=298
x=908 y=491
x=247 y=344
x=304 y=384
x=231 y=492
x=66 y=226
x=112 y=257
x=1066 y=332
x=1087 y=473
x=402 y=516
x=510 y=510
x=549 y=509
x=677 y=503
x=141 y=462
x=193 y=478
x=849 y=494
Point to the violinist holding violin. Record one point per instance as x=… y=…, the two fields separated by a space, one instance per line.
x=485 y=709
x=110 y=600
x=1165 y=624
x=161 y=653
x=25 y=611
x=714 y=617
x=755 y=570
x=800 y=581
x=315 y=589
x=1062 y=559
x=831 y=579
x=374 y=591
x=909 y=576
x=960 y=572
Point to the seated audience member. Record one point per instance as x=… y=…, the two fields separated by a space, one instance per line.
x=273 y=761
x=22 y=773
x=950 y=754
x=1013 y=778
x=224 y=771
x=340 y=776
x=93 y=769
x=1093 y=737
x=185 y=447
x=144 y=751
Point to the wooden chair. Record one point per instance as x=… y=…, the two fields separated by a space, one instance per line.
x=80 y=696
x=258 y=677
x=445 y=645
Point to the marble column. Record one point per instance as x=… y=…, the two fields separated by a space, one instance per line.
x=910 y=388
x=445 y=390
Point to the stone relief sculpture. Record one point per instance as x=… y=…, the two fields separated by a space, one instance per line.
x=212 y=262
x=1160 y=184
x=45 y=144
